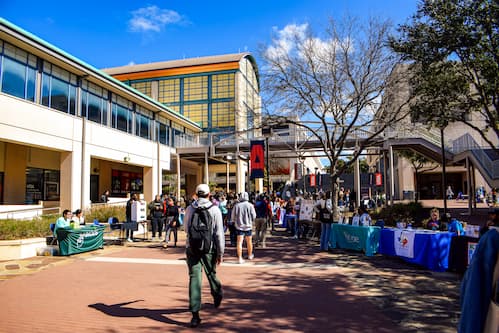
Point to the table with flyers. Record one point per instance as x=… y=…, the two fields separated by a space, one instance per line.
x=424 y=247
x=361 y=238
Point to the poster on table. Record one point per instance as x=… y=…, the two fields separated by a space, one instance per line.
x=404 y=243
x=471 y=250
x=306 y=209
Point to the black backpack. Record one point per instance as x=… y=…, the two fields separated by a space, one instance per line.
x=201 y=231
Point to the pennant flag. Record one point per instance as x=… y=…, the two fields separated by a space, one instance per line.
x=257 y=157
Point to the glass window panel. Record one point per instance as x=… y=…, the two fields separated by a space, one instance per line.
x=13 y=77
x=59 y=98
x=94 y=108
x=197 y=113
x=222 y=86
x=169 y=91
x=195 y=88
x=72 y=100
x=31 y=84
x=143 y=87
x=222 y=114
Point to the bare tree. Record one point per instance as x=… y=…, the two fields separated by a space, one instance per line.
x=342 y=84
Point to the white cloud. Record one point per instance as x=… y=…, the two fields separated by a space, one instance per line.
x=152 y=18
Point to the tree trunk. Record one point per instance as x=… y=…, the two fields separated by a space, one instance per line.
x=334 y=197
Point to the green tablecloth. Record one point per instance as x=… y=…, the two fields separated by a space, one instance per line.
x=359 y=238
x=85 y=239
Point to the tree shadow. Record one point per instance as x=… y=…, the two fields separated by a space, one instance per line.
x=121 y=310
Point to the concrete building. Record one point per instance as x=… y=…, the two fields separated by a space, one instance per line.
x=220 y=93
x=68 y=131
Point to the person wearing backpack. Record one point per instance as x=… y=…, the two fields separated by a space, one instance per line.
x=205 y=245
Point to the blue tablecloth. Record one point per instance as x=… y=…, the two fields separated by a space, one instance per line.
x=431 y=249
x=359 y=238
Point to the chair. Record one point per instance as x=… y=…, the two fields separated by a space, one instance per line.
x=114 y=224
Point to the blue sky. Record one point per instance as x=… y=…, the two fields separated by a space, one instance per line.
x=115 y=33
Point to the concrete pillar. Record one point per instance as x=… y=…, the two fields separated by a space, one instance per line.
x=150 y=183
x=15 y=174
x=70 y=182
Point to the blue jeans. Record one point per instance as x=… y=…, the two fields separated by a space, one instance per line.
x=325 y=234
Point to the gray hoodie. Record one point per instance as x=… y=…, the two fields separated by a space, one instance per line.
x=216 y=215
x=243 y=214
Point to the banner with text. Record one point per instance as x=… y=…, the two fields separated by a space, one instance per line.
x=257 y=156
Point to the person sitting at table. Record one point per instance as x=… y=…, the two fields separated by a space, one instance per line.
x=364 y=219
x=455 y=226
x=78 y=218
x=63 y=221
x=433 y=223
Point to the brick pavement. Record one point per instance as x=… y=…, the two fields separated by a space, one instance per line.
x=289 y=287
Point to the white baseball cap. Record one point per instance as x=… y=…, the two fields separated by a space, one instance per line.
x=202 y=189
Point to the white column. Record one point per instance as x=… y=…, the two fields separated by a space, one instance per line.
x=357 y=181
x=206 y=170
x=178 y=175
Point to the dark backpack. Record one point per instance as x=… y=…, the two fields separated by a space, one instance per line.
x=201 y=230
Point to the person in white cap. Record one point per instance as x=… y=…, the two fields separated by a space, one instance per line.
x=208 y=258
x=243 y=215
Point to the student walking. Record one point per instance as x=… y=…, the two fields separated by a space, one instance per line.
x=243 y=215
x=205 y=245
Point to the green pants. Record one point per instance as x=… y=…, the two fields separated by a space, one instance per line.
x=209 y=263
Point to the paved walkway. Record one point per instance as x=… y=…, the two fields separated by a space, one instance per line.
x=289 y=287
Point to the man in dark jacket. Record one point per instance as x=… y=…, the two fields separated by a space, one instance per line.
x=156 y=208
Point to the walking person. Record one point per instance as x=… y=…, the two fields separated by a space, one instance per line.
x=172 y=212
x=207 y=256
x=263 y=214
x=156 y=208
x=243 y=215
x=324 y=206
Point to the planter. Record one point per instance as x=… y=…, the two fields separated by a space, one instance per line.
x=21 y=248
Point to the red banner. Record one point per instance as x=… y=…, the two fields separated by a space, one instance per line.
x=257 y=157
x=378 y=179
x=312 y=180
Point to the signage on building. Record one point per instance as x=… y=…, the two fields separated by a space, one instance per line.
x=378 y=179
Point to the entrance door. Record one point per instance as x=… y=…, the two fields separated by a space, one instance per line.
x=94 y=188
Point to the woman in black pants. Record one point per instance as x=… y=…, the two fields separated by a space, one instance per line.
x=172 y=213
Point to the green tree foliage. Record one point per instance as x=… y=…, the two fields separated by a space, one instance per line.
x=454 y=49
x=419 y=162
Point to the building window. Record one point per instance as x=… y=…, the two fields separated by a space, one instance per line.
x=94 y=103
x=163 y=131
x=122 y=114
x=42 y=184
x=197 y=113
x=223 y=114
x=143 y=121
x=143 y=87
x=169 y=91
x=222 y=86
x=195 y=88
x=18 y=72
x=59 y=89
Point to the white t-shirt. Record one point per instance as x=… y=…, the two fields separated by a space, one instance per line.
x=365 y=220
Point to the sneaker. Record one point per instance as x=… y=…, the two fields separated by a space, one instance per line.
x=241 y=261
x=129 y=240
x=195 y=321
x=165 y=245
x=217 y=300
x=251 y=257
